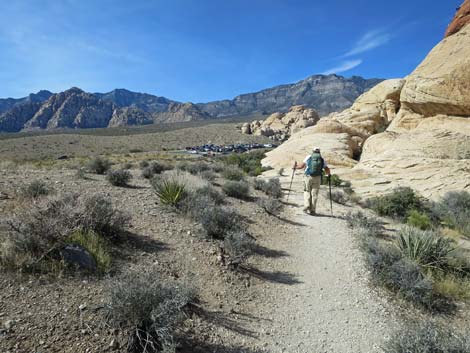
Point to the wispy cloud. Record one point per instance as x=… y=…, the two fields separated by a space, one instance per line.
x=344 y=66
x=369 y=41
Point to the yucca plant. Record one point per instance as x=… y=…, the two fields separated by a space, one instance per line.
x=169 y=191
x=428 y=249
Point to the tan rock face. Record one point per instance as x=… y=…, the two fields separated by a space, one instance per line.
x=425 y=143
x=281 y=125
x=441 y=83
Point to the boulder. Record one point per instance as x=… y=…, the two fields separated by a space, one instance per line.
x=78 y=257
x=246 y=129
x=461 y=19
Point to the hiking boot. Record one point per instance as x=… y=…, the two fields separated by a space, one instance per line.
x=306 y=212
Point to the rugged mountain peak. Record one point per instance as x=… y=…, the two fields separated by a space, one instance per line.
x=461 y=19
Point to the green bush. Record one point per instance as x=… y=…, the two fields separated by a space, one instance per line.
x=427 y=249
x=119 y=177
x=233 y=173
x=249 y=162
x=397 y=204
x=419 y=220
x=149 y=309
x=259 y=184
x=96 y=245
x=427 y=338
x=454 y=210
x=99 y=165
x=35 y=189
x=236 y=189
x=209 y=191
x=169 y=191
x=335 y=180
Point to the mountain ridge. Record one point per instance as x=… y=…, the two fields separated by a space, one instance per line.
x=76 y=109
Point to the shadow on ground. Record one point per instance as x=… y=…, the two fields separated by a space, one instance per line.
x=266 y=252
x=271 y=276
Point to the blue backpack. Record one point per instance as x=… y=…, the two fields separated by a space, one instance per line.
x=315 y=165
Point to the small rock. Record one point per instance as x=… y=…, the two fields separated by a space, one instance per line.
x=9 y=324
x=82 y=307
x=114 y=344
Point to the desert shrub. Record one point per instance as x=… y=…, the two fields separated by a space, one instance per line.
x=339 y=196
x=197 y=167
x=273 y=188
x=120 y=177
x=209 y=191
x=360 y=220
x=454 y=210
x=127 y=165
x=99 y=165
x=396 y=204
x=418 y=220
x=259 y=184
x=335 y=180
x=271 y=206
x=38 y=232
x=34 y=190
x=402 y=276
x=149 y=309
x=147 y=173
x=218 y=222
x=453 y=286
x=96 y=245
x=169 y=191
x=238 y=245
x=80 y=174
x=427 y=338
x=143 y=164
x=237 y=189
x=208 y=175
x=427 y=249
x=249 y=162
x=233 y=173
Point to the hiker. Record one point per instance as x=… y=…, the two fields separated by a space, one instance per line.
x=314 y=165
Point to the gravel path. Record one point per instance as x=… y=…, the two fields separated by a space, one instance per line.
x=327 y=305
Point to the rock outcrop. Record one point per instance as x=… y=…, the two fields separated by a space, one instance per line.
x=461 y=19
x=413 y=132
x=280 y=126
x=128 y=116
x=178 y=112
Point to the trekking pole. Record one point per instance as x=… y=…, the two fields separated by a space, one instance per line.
x=331 y=200
x=291 y=180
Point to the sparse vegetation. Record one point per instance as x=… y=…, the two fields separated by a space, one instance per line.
x=36 y=234
x=236 y=189
x=151 y=169
x=120 y=177
x=271 y=206
x=397 y=204
x=149 y=309
x=272 y=187
x=427 y=338
x=371 y=225
x=335 y=180
x=419 y=220
x=454 y=210
x=35 y=189
x=249 y=162
x=239 y=246
x=233 y=173
x=339 y=196
x=99 y=165
x=96 y=245
x=169 y=191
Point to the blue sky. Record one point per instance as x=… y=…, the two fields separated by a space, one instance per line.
x=203 y=50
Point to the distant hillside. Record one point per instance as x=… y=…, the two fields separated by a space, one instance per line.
x=325 y=94
x=77 y=109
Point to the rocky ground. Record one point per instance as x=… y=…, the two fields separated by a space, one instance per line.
x=306 y=289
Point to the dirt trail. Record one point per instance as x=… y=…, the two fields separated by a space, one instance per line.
x=322 y=302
